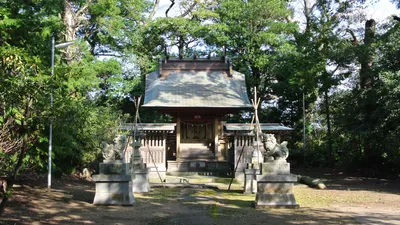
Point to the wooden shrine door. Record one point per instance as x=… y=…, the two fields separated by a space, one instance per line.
x=197 y=132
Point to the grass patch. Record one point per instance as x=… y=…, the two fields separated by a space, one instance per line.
x=205 y=193
x=308 y=197
x=226 y=180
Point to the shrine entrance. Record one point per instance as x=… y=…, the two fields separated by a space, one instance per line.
x=201 y=132
x=196 y=141
x=197 y=93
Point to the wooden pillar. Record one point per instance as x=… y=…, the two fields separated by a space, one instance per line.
x=164 y=143
x=216 y=142
x=178 y=135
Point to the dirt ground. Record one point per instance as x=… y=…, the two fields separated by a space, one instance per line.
x=347 y=200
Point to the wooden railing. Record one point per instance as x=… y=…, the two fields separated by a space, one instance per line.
x=152 y=150
x=244 y=146
x=158 y=155
x=244 y=143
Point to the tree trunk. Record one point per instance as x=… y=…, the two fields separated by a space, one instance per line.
x=331 y=159
x=73 y=19
x=367 y=83
x=8 y=182
x=311 y=182
x=3 y=191
x=180 y=47
x=366 y=75
x=69 y=19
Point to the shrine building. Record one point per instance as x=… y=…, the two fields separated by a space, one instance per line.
x=198 y=94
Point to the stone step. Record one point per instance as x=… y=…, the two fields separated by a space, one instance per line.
x=194 y=178
x=194 y=151
x=197 y=157
x=198 y=166
x=194 y=146
x=204 y=174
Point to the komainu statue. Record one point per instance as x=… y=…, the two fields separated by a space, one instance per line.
x=107 y=150
x=273 y=150
x=120 y=143
x=116 y=149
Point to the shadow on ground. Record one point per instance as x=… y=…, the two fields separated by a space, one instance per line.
x=70 y=203
x=338 y=180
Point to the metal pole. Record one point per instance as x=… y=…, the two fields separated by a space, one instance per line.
x=304 y=128
x=51 y=119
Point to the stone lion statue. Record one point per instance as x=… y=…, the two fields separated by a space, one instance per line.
x=120 y=142
x=116 y=149
x=107 y=150
x=273 y=150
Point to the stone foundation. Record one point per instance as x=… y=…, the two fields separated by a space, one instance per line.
x=250 y=182
x=139 y=174
x=275 y=186
x=113 y=190
x=140 y=180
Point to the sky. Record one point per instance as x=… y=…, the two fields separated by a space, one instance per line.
x=381 y=10
x=377 y=9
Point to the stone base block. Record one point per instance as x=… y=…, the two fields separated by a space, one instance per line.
x=279 y=188
x=239 y=175
x=277 y=178
x=275 y=191
x=277 y=167
x=113 y=167
x=250 y=183
x=113 y=190
x=140 y=181
x=275 y=200
x=113 y=199
x=174 y=166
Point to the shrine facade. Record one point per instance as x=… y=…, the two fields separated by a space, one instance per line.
x=198 y=93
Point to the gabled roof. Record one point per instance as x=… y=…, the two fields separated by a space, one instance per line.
x=196 y=84
x=264 y=127
x=148 y=126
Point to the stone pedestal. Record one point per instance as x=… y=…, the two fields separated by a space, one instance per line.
x=113 y=184
x=275 y=186
x=113 y=190
x=139 y=174
x=275 y=167
x=113 y=167
x=140 y=180
x=250 y=182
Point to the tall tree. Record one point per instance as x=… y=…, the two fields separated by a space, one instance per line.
x=324 y=56
x=23 y=80
x=256 y=35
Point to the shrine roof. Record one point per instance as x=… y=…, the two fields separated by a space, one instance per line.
x=264 y=127
x=196 y=84
x=149 y=126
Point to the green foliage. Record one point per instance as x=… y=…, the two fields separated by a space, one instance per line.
x=22 y=86
x=86 y=90
x=80 y=127
x=280 y=57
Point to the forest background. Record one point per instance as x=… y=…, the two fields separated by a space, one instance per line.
x=344 y=65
